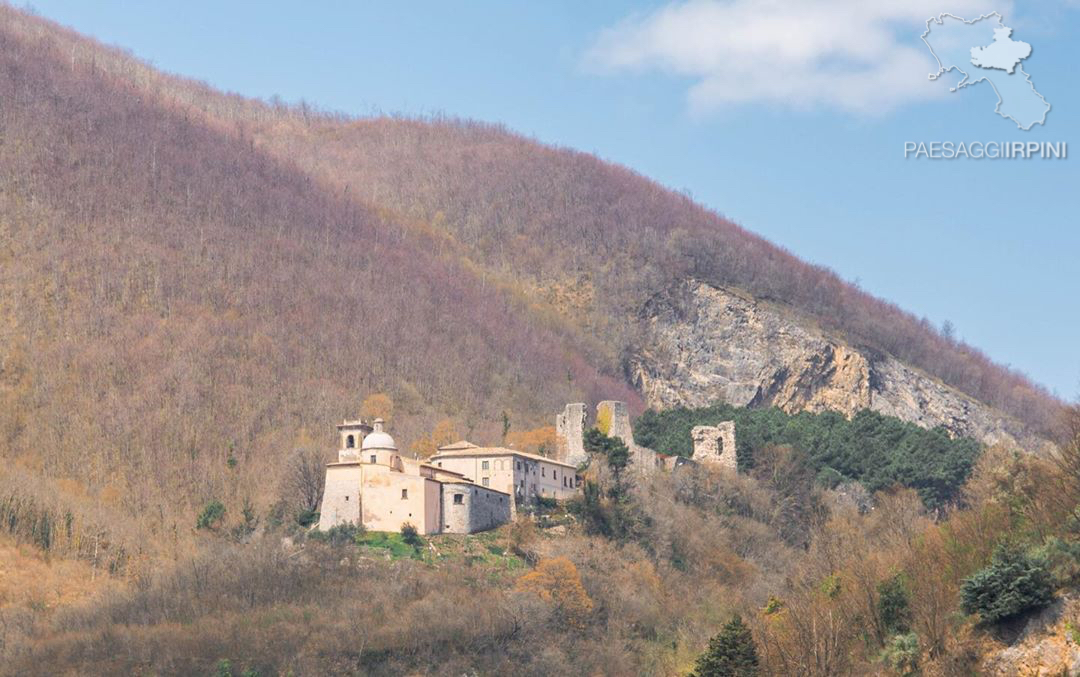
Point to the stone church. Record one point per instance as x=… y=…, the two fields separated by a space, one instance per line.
x=375 y=486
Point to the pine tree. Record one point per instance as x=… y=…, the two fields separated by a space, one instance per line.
x=1014 y=583
x=731 y=653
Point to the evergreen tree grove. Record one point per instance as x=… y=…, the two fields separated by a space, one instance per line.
x=731 y=653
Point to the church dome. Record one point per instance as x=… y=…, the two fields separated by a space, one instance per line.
x=378 y=439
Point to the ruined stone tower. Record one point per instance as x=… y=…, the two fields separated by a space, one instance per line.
x=715 y=445
x=570 y=433
x=615 y=417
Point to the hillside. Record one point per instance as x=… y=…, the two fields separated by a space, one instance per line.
x=585 y=243
x=178 y=306
x=194 y=287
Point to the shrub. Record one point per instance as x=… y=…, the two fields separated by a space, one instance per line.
x=774 y=605
x=731 y=652
x=306 y=518
x=1063 y=560
x=614 y=450
x=902 y=654
x=558 y=582
x=211 y=515
x=342 y=534
x=1014 y=582
x=894 y=605
x=411 y=536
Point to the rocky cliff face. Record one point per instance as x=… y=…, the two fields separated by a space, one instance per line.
x=1047 y=645
x=708 y=344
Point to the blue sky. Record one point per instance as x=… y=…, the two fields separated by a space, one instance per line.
x=790 y=121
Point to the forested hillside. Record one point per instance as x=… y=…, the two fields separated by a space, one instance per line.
x=578 y=238
x=879 y=452
x=194 y=287
x=178 y=306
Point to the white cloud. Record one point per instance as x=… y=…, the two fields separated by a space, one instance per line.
x=853 y=55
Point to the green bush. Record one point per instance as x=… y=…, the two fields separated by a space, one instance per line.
x=731 y=653
x=410 y=535
x=1063 y=560
x=902 y=654
x=306 y=518
x=894 y=605
x=341 y=534
x=211 y=515
x=1014 y=582
x=614 y=450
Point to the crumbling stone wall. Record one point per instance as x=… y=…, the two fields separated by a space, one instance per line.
x=715 y=444
x=570 y=434
x=616 y=418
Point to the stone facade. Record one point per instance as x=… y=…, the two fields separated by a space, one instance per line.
x=341 y=496
x=569 y=435
x=468 y=508
x=524 y=476
x=715 y=445
x=375 y=486
x=616 y=418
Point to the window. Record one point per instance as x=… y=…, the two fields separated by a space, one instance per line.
x=404 y=493
x=518 y=464
x=486 y=481
x=543 y=472
x=483 y=465
x=350 y=442
x=554 y=474
x=459 y=499
x=346 y=498
x=440 y=464
x=373 y=458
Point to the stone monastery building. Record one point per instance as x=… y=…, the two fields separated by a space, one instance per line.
x=524 y=476
x=373 y=485
x=465 y=488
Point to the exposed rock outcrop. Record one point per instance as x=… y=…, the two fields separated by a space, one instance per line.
x=1046 y=646
x=709 y=344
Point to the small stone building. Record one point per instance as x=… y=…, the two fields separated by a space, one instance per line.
x=715 y=444
x=525 y=476
x=373 y=485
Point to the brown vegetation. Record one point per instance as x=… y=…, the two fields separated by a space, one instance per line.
x=189 y=281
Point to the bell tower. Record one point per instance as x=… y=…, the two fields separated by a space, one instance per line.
x=352 y=435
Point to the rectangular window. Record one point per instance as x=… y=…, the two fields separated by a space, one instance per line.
x=518 y=464
x=346 y=498
x=543 y=472
x=486 y=481
x=554 y=474
x=459 y=498
x=483 y=465
x=373 y=458
x=404 y=493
